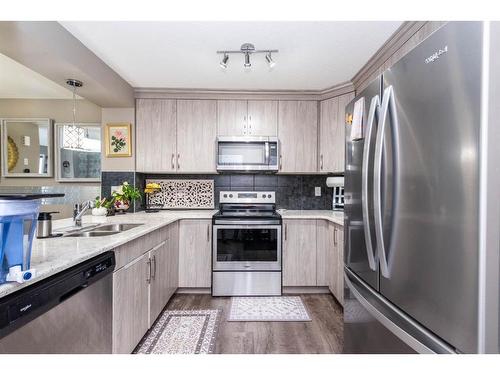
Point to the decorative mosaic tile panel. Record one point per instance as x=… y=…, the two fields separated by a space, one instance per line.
x=183 y=194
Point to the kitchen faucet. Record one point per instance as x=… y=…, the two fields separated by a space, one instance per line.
x=78 y=212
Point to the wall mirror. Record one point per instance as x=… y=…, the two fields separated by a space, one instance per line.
x=78 y=152
x=27 y=147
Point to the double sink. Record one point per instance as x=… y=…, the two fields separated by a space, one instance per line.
x=102 y=230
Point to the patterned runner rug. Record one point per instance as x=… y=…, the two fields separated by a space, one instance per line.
x=182 y=332
x=283 y=309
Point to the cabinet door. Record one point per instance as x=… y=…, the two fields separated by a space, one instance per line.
x=130 y=304
x=339 y=244
x=299 y=253
x=158 y=296
x=195 y=253
x=324 y=244
x=155 y=135
x=339 y=141
x=196 y=133
x=232 y=117
x=298 y=134
x=173 y=259
x=263 y=118
x=329 y=135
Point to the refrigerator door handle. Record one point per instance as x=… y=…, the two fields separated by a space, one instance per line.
x=373 y=112
x=388 y=104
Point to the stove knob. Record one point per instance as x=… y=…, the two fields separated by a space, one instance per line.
x=263 y=195
x=230 y=195
x=269 y=195
x=225 y=195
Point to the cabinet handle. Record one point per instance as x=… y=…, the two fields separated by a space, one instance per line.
x=335 y=236
x=178 y=165
x=286 y=231
x=148 y=279
x=173 y=161
x=154 y=267
x=208 y=233
x=280 y=164
x=321 y=161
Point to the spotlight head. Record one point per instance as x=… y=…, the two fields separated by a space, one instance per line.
x=247 y=63
x=223 y=63
x=270 y=60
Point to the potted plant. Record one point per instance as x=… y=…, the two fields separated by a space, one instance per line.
x=125 y=195
x=102 y=205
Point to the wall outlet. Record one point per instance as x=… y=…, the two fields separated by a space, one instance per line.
x=26 y=161
x=317 y=191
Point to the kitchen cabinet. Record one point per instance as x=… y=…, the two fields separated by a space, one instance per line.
x=195 y=239
x=299 y=252
x=336 y=263
x=263 y=118
x=142 y=288
x=130 y=304
x=247 y=117
x=196 y=135
x=298 y=135
x=231 y=117
x=324 y=245
x=155 y=135
x=332 y=133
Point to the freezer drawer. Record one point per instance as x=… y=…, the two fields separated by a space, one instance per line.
x=372 y=325
x=249 y=283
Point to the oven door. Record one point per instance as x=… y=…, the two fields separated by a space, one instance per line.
x=246 y=247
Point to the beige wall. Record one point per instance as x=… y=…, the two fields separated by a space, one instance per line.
x=59 y=110
x=113 y=115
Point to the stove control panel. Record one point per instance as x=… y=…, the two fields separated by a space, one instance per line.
x=247 y=197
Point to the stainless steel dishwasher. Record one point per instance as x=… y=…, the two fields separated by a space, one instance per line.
x=70 y=312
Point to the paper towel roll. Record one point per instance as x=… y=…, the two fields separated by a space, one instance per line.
x=334 y=181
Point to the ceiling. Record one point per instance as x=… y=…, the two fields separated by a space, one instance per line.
x=312 y=55
x=20 y=82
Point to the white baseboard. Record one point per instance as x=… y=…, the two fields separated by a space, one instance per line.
x=193 y=291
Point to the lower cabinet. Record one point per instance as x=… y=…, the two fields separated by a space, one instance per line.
x=195 y=254
x=313 y=255
x=130 y=304
x=142 y=288
x=299 y=252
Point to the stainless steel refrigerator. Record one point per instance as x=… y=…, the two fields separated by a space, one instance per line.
x=422 y=200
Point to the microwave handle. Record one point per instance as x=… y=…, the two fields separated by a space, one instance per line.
x=267 y=153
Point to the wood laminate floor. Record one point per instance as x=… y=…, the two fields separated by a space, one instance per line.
x=324 y=334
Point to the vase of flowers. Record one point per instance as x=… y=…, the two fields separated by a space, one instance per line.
x=125 y=196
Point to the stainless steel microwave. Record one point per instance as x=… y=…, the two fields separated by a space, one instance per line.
x=247 y=154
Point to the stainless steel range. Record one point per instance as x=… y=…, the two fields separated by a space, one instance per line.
x=246 y=257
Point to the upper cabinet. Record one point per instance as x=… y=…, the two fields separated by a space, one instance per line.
x=331 y=133
x=298 y=135
x=196 y=134
x=175 y=135
x=247 y=117
x=263 y=117
x=155 y=135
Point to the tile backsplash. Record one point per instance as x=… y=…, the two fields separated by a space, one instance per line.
x=293 y=192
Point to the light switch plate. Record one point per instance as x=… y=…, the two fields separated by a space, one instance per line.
x=317 y=191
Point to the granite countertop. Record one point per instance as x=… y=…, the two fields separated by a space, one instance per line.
x=336 y=217
x=53 y=255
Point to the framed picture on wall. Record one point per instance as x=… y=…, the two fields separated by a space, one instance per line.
x=118 y=139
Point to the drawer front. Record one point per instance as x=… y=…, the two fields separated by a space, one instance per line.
x=129 y=251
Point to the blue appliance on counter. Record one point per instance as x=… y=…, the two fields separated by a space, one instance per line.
x=18 y=215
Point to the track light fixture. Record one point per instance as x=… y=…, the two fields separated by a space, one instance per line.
x=247 y=49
